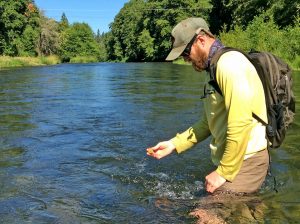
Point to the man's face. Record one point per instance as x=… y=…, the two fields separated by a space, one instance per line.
x=197 y=57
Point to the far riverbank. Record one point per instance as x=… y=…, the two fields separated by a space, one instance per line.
x=9 y=62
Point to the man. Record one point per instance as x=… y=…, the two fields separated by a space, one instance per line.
x=238 y=144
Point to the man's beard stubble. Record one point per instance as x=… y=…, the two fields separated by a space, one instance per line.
x=201 y=64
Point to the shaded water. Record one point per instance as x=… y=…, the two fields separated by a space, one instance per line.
x=73 y=140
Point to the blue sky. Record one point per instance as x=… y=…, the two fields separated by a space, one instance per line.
x=97 y=13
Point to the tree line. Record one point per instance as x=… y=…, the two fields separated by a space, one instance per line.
x=26 y=31
x=141 y=30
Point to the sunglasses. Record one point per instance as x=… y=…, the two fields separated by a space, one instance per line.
x=187 y=51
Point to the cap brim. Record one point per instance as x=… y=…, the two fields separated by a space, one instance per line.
x=175 y=53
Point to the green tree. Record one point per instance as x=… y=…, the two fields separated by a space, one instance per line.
x=125 y=30
x=100 y=39
x=18 y=20
x=27 y=45
x=146 y=44
x=162 y=15
x=141 y=30
x=78 y=40
x=226 y=14
x=286 y=12
x=273 y=39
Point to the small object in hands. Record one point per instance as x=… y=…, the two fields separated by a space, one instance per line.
x=150 y=151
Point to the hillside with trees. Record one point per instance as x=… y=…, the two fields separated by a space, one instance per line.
x=141 y=30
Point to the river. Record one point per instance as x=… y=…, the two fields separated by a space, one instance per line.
x=73 y=141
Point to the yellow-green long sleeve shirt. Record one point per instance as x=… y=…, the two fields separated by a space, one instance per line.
x=236 y=135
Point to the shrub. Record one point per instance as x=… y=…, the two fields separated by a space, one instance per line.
x=84 y=59
x=6 y=61
x=50 y=60
x=263 y=34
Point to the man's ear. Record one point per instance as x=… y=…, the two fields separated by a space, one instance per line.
x=201 y=40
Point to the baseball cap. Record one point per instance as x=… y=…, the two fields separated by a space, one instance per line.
x=184 y=32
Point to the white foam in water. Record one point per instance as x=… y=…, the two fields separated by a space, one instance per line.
x=199 y=185
x=161 y=176
x=170 y=188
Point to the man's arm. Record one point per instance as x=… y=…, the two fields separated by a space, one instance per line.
x=197 y=133
x=181 y=142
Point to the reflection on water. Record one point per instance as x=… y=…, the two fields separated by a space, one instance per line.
x=73 y=141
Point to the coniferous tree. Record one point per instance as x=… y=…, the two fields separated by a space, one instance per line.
x=64 y=23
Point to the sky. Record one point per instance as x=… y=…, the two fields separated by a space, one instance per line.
x=97 y=13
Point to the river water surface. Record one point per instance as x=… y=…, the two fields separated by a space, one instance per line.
x=73 y=140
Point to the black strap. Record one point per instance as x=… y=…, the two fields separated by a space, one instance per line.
x=213 y=67
x=270 y=174
x=259 y=119
x=213 y=70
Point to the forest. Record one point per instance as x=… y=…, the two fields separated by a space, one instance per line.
x=141 y=30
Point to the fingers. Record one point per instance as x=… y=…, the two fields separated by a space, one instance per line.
x=213 y=181
x=161 y=150
x=156 y=151
x=151 y=153
x=209 y=187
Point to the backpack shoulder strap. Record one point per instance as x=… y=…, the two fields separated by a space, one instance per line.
x=213 y=67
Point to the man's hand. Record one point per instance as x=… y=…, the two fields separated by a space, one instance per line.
x=161 y=150
x=213 y=181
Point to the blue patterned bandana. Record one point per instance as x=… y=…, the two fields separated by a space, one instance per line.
x=213 y=49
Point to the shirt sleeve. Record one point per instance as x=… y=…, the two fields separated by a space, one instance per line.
x=232 y=78
x=198 y=132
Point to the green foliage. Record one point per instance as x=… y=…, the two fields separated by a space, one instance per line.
x=84 y=59
x=6 y=61
x=100 y=39
x=78 y=40
x=50 y=60
x=166 y=15
x=146 y=43
x=285 y=12
x=27 y=44
x=18 y=20
x=284 y=43
x=64 y=23
x=291 y=44
x=122 y=43
x=227 y=14
x=141 y=30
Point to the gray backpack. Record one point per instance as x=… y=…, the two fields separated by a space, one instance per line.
x=276 y=79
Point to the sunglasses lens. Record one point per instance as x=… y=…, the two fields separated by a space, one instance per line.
x=186 y=51
x=188 y=48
